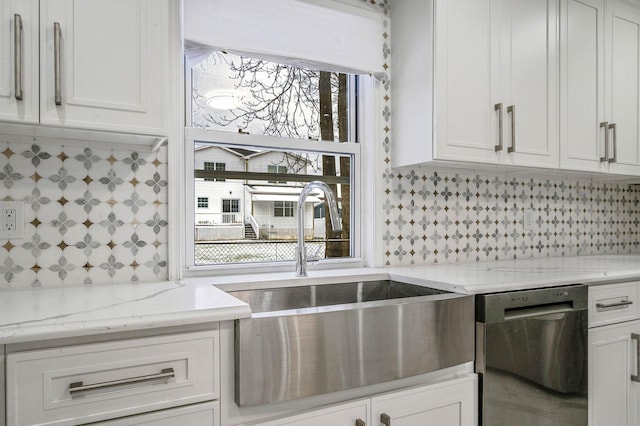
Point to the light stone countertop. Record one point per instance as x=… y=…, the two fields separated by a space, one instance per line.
x=521 y=274
x=41 y=314
x=62 y=312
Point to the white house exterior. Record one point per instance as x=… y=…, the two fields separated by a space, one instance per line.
x=229 y=209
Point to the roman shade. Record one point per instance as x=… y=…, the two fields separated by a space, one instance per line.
x=326 y=35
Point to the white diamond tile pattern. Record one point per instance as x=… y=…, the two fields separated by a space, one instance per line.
x=93 y=216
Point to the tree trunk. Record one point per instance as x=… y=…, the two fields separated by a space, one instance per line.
x=332 y=249
x=345 y=171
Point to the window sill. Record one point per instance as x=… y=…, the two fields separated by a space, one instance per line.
x=260 y=268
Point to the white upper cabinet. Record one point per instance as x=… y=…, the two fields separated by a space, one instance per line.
x=600 y=111
x=87 y=64
x=583 y=126
x=466 y=84
x=105 y=64
x=622 y=78
x=477 y=83
x=19 y=60
x=529 y=82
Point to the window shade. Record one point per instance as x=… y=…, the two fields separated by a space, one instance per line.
x=320 y=34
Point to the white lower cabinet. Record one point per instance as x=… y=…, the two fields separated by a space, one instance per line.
x=87 y=383
x=614 y=385
x=452 y=403
x=354 y=413
x=449 y=403
x=206 y=414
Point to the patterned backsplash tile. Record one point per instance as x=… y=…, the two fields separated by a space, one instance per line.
x=443 y=216
x=92 y=215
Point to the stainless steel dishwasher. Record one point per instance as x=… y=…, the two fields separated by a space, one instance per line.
x=531 y=355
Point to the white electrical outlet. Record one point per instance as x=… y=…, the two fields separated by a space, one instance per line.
x=11 y=220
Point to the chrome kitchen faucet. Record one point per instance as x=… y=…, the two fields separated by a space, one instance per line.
x=301 y=250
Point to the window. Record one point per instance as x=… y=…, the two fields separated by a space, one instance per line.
x=292 y=110
x=283 y=208
x=203 y=202
x=229 y=210
x=282 y=170
x=211 y=166
x=272 y=108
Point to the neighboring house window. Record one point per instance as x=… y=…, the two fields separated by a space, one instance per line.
x=282 y=170
x=283 y=208
x=218 y=167
x=229 y=209
x=203 y=202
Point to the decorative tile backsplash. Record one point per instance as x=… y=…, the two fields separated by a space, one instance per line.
x=436 y=216
x=92 y=215
x=443 y=216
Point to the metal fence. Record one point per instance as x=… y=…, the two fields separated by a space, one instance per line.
x=253 y=251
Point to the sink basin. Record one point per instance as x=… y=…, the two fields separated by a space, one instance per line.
x=310 y=340
x=297 y=300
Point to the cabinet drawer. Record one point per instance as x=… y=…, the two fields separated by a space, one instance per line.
x=613 y=303
x=88 y=383
x=205 y=414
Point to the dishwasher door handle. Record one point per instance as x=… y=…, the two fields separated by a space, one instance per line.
x=636 y=377
x=536 y=311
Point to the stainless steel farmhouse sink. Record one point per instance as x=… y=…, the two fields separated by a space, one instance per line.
x=309 y=340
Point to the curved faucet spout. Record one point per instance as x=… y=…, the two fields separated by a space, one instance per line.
x=332 y=204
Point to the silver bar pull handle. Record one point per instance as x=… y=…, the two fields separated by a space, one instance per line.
x=57 y=35
x=360 y=422
x=622 y=303
x=17 y=56
x=636 y=377
x=77 y=387
x=512 y=110
x=614 y=127
x=385 y=419
x=498 y=107
x=605 y=125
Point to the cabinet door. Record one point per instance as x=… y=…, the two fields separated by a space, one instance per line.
x=113 y=64
x=19 y=46
x=452 y=403
x=582 y=84
x=531 y=74
x=612 y=360
x=466 y=81
x=622 y=56
x=339 y=415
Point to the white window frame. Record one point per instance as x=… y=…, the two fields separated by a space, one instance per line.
x=366 y=183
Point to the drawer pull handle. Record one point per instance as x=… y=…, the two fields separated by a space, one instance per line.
x=77 y=387
x=614 y=305
x=57 y=35
x=360 y=422
x=512 y=110
x=17 y=53
x=498 y=108
x=636 y=377
x=385 y=419
x=605 y=125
